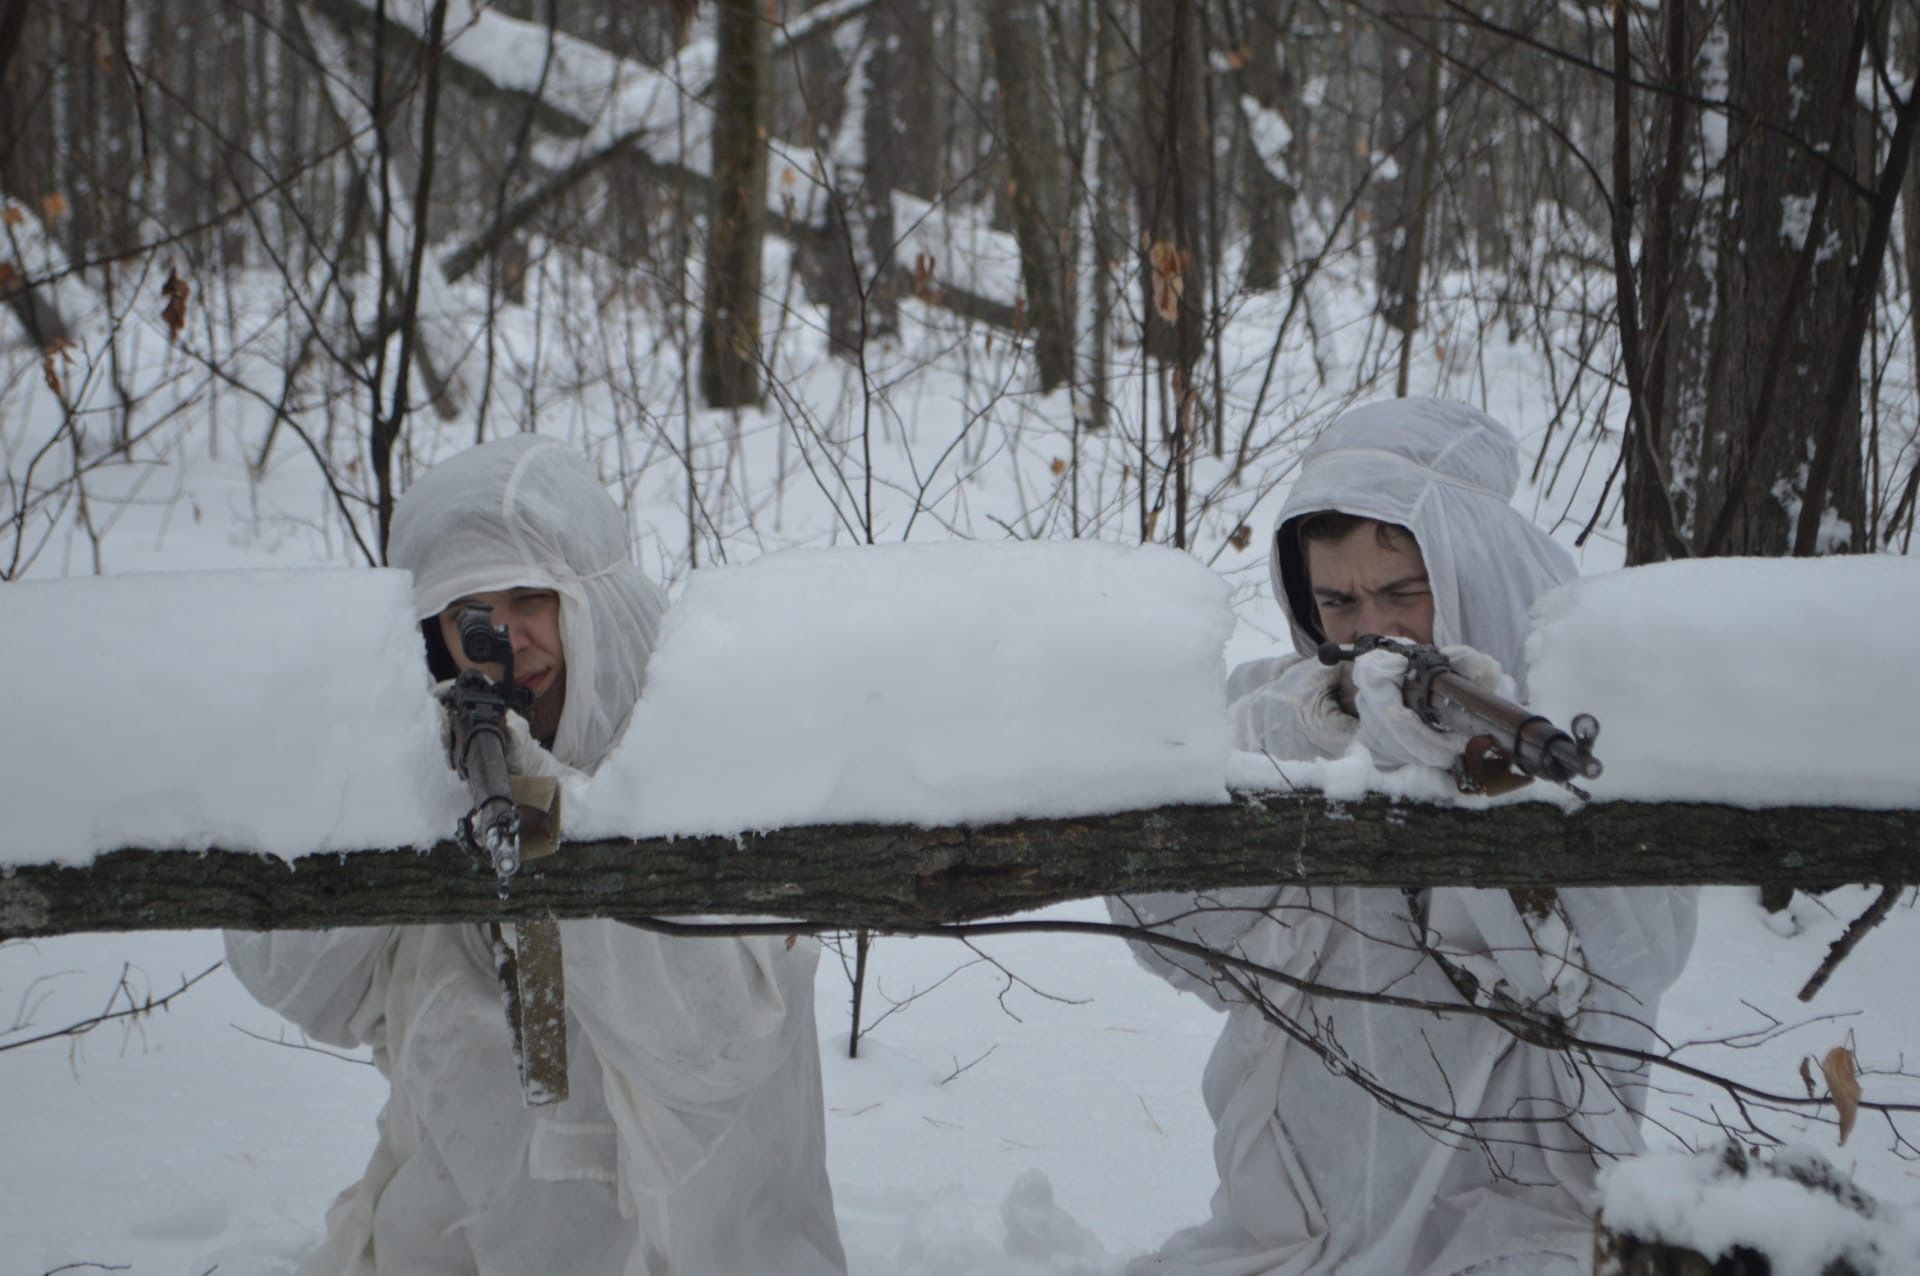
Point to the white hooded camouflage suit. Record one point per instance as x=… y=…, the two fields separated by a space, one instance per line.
x=693 y=1140
x=1317 y=1175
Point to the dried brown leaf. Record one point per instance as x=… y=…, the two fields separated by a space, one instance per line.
x=924 y=286
x=1169 y=278
x=12 y=215
x=1241 y=537
x=174 y=314
x=53 y=206
x=1843 y=1087
x=1057 y=466
x=1806 y=1074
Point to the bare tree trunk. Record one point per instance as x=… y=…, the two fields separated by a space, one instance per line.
x=1107 y=215
x=1268 y=81
x=730 y=362
x=1170 y=159
x=1402 y=134
x=1675 y=292
x=1783 y=283
x=387 y=428
x=1413 y=270
x=1031 y=124
x=895 y=130
x=1175 y=159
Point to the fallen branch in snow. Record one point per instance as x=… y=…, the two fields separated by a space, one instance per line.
x=1837 y=953
x=889 y=876
x=626 y=119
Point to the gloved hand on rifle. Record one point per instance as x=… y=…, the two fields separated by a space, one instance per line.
x=525 y=756
x=537 y=780
x=1393 y=733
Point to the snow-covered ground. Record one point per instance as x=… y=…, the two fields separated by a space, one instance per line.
x=206 y=1135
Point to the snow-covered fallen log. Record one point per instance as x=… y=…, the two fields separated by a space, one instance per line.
x=607 y=109
x=900 y=877
x=906 y=735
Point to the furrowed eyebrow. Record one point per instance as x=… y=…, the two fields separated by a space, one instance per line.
x=1332 y=596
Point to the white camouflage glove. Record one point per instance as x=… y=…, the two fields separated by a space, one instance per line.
x=1294 y=715
x=525 y=756
x=1393 y=733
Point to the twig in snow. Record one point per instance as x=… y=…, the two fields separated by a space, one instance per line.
x=1875 y=914
x=959 y=1067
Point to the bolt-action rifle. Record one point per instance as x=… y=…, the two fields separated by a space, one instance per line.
x=1504 y=745
x=510 y=822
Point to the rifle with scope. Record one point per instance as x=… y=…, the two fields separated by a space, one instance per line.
x=504 y=829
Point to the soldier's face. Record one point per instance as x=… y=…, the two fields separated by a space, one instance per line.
x=531 y=618
x=1366 y=583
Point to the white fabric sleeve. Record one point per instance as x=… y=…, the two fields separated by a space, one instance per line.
x=685 y=1029
x=1613 y=950
x=329 y=983
x=1288 y=708
x=1221 y=920
x=525 y=756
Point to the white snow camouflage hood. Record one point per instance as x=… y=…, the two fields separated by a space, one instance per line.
x=1448 y=473
x=528 y=512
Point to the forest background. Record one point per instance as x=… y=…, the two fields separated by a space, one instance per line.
x=1149 y=247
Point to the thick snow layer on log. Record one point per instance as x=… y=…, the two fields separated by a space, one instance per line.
x=1760 y=682
x=278 y=711
x=925 y=684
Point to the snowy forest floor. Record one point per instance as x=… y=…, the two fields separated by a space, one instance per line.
x=204 y=1137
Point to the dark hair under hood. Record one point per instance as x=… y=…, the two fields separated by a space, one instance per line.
x=528 y=512
x=1448 y=473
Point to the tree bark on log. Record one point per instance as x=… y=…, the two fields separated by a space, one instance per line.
x=883 y=876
